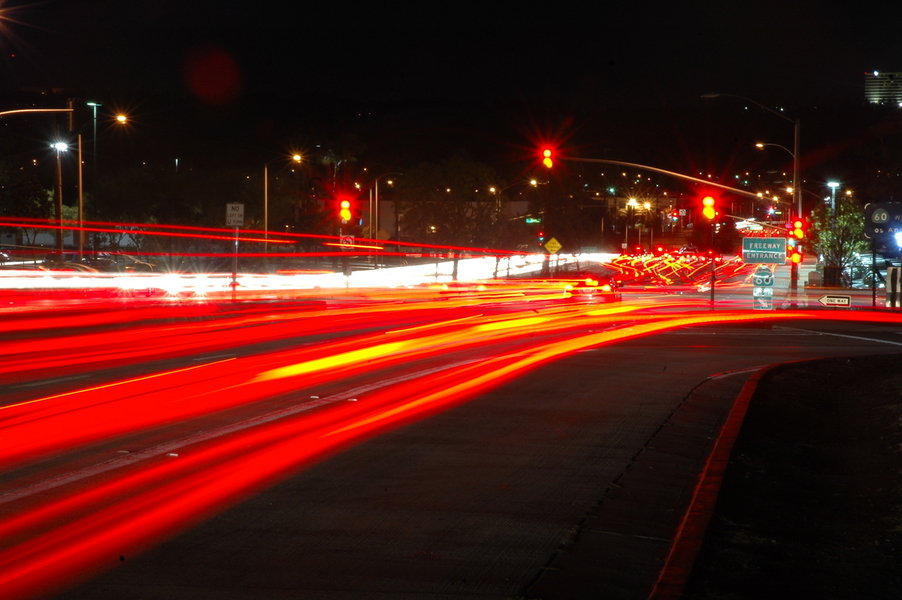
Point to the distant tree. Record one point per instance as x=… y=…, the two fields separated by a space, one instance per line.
x=23 y=195
x=837 y=236
x=448 y=202
x=337 y=156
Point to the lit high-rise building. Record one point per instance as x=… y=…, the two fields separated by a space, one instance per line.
x=883 y=88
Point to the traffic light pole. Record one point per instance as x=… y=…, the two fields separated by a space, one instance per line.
x=713 y=265
x=794 y=285
x=797 y=192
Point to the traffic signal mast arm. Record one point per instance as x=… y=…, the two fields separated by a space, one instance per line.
x=657 y=170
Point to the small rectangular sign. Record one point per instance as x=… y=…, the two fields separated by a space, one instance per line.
x=234 y=214
x=764 y=250
x=841 y=301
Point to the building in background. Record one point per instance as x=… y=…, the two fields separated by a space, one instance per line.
x=883 y=88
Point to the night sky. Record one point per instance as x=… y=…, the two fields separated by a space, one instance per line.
x=487 y=74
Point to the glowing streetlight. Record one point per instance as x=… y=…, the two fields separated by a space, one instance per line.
x=374 y=219
x=60 y=147
x=790 y=189
x=833 y=185
x=796 y=124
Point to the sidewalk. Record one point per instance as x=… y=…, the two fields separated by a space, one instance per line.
x=783 y=296
x=808 y=506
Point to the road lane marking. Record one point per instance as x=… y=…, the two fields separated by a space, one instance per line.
x=48 y=382
x=127 y=457
x=851 y=337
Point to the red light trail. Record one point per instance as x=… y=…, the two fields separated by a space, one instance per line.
x=57 y=529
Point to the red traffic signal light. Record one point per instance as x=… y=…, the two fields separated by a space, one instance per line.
x=547 y=157
x=709 y=207
x=798 y=229
x=344 y=211
x=794 y=254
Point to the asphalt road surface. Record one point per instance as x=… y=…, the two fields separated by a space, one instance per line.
x=568 y=482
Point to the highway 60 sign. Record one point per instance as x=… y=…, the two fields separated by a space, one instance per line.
x=882 y=218
x=763 y=289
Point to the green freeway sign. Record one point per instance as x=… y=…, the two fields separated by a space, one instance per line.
x=771 y=250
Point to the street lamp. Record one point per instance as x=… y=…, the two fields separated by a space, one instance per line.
x=630 y=208
x=81 y=203
x=265 y=212
x=796 y=188
x=791 y=190
x=60 y=147
x=297 y=159
x=796 y=125
x=94 y=106
x=374 y=219
x=833 y=185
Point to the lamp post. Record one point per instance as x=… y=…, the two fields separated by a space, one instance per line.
x=374 y=218
x=81 y=204
x=796 y=188
x=630 y=210
x=833 y=185
x=94 y=106
x=796 y=131
x=761 y=146
x=265 y=212
x=60 y=147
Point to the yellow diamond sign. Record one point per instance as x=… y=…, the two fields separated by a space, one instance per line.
x=553 y=245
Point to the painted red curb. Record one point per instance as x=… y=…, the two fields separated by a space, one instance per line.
x=687 y=541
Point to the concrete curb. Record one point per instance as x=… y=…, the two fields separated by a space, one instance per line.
x=690 y=534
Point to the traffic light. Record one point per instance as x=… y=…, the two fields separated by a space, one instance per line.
x=547 y=157
x=709 y=207
x=794 y=253
x=796 y=231
x=344 y=211
x=540 y=237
